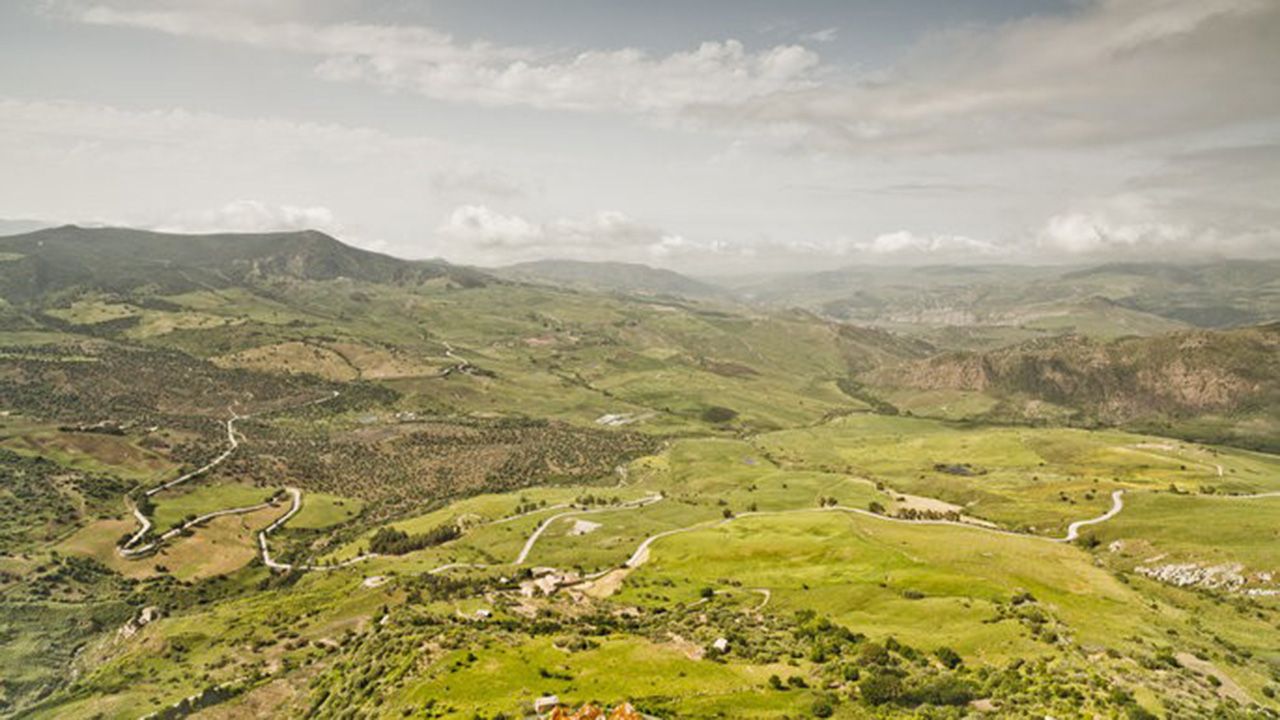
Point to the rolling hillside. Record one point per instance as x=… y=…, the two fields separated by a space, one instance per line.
x=988 y=306
x=627 y=278
x=1220 y=385
x=122 y=260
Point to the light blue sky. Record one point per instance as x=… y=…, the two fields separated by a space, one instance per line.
x=730 y=136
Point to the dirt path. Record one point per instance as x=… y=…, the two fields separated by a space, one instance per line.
x=232 y=444
x=131 y=549
x=641 y=554
x=140 y=550
x=542 y=528
x=1117 y=504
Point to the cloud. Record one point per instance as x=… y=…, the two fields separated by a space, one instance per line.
x=824 y=35
x=1101 y=71
x=255 y=216
x=1141 y=227
x=490 y=236
x=67 y=160
x=435 y=64
x=904 y=242
x=1107 y=71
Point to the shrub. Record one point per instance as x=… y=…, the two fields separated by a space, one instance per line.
x=718 y=414
x=389 y=541
x=822 y=708
x=880 y=688
x=948 y=657
x=940 y=690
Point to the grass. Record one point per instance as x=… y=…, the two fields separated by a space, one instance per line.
x=89 y=452
x=174 y=506
x=1035 y=479
x=506 y=679
x=321 y=510
x=863 y=572
x=1207 y=529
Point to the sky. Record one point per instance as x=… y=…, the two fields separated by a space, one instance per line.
x=714 y=137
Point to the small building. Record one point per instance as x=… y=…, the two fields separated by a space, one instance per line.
x=546 y=704
x=721 y=645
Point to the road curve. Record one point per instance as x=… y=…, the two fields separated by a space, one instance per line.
x=128 y=549
x=1117 y=504
x=641 y=554
x=542 y=527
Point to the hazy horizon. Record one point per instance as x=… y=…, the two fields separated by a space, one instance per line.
x=726 y=138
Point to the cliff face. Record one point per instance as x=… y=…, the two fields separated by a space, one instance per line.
x=1180 y=374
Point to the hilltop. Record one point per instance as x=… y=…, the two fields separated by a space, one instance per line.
x=123 y=260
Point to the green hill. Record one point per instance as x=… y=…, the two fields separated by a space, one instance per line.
x=122 y=260
x=627 y=278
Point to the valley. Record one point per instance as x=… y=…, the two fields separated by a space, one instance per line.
x=277 y=475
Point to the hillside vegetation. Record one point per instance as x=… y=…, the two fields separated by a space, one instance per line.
x=1220 y=386
x=273 y=475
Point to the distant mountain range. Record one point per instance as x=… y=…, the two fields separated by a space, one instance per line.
x=124 y=260
x=1107 y=300
x=628 y=278
x=962 y=307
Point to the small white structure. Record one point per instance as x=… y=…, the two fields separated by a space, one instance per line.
x=546 y=704
x=721 y=645
x=547 y=581
x=483 y=614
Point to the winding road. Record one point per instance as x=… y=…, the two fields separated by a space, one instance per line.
x=1117 y=504
x=130 y=549
x=533 y=539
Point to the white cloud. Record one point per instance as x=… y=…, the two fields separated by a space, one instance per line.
x=904 y=242
x=1105 y=71
x=1138 y=226
x=255 y=216
x=69 y=160
x=1101 y=71
x=486 y=235
x=433 y=63
x=486 y=228
x=824 y=35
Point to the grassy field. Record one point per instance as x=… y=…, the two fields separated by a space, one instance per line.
x=1207 y=529
x=188 y=501
x=760 y=443
x=1034 y=479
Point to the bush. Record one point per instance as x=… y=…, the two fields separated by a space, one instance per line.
x=718 y=414
x=880 y=688
x=940 y=690
x=948 y=657
x=389 y=541
x=822 y=708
